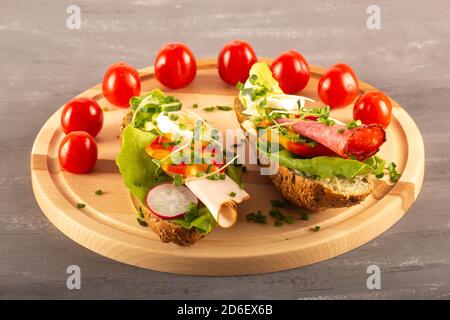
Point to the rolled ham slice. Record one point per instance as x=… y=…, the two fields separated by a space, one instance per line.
x=360 y=143
x=215 y=195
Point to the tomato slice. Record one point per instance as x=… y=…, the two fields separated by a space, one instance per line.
x=307 y=151
x=159 y=148
x=304 y=149
x=177 y=169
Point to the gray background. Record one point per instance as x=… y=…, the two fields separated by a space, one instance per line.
x=43 y=64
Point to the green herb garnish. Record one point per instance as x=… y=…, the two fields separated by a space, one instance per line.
x=99 y=192
x=166 y=144
x=258 y=217
x=353 y=124
x=316 y=229
x=209 y=109
x=173 y=117
x=232 y=194
x=394 y=175
x=104 y=109
x=224 y=108
x=326 y=121
x=278 y=223
x=289 y=219
x=312 y=144
x=177 y=180
x=304 y=216
x=143 y=223
x=195 y=105
x=191 y=212
x=341 y=130
x=239 y=85
x=81 y=205
x=275 y=203
x=274 y=212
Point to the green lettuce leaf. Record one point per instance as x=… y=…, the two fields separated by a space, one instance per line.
x=138 y=170
x=328 y=167
x=204 y=223
x=234 y=172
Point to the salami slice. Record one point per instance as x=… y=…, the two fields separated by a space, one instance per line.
x=360 y=142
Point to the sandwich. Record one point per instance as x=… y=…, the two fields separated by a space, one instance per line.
x=322 y=162
x=181 y=180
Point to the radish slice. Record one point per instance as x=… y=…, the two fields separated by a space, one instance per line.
x=168 y=201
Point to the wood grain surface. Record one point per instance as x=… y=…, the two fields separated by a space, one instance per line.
x=107 y=225
x=43 y=64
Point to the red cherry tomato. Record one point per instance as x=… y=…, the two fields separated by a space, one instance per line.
x=373 y=107
x=291 y=71
x=82 y=114
x=175 y=65
x=120 y=83
x=338 y=86
x=78 y=152
x=235 y=60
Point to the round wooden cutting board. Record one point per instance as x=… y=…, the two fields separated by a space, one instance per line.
x=107 y=225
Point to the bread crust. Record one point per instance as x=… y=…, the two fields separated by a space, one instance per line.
x=308 y=193
x=166 y=231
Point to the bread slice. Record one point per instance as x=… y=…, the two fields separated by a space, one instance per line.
x=316 y=194
x=167 y=231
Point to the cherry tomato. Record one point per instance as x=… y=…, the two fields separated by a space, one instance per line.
x=338 y=86
x=121 y=82
x=175 y=65
x=373 y=107
x=291 y=71
x=78 y=152
x=82 y=114
x=235 y=60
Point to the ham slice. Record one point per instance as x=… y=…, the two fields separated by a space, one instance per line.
x=360 y=142
x=215 y=195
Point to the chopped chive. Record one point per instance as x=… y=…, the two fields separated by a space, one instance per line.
x=289 y=219
x=209 y=109
x=312 y=144
x=258 y=217
x=278 y=223
x=394 y=175
x=195 y=105
x=279 y=203
x=353 y=124
x=274 y=212
x=239 y=85
x=232 y=194
x=341 y=130
x=224 y=108
x=316 y=229
x=105 y=109
x=99 y=192
x=81 y=205
x=177 y=180
x=191 y=212
x=142 y=222
x=304 y=216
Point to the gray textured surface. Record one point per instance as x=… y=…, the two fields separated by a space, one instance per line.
x=43 y=64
